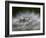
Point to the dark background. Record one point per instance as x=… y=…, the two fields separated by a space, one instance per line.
x=17 y=10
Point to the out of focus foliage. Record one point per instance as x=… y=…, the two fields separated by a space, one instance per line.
x=17 y=10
